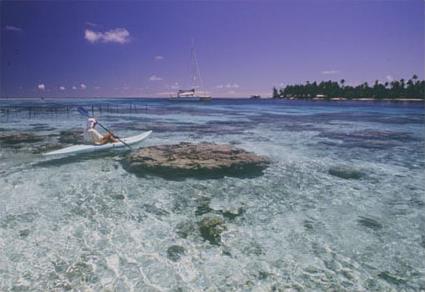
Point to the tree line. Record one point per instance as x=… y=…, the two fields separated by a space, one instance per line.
x=412 y=88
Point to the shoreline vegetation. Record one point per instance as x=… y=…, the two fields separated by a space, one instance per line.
x=412 y=90
x=396 y=90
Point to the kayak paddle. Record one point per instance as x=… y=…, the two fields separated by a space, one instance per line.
x=85 y=113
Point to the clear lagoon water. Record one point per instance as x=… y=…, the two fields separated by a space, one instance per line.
x=341 y=207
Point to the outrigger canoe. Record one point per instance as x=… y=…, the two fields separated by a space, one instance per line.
x=92 y=148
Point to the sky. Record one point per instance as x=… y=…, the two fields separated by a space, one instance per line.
x=143 y=48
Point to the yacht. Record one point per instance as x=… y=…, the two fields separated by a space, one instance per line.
x=195 y=93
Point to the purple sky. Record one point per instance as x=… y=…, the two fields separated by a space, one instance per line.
x=136 y=48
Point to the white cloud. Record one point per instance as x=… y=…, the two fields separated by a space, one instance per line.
x=116 y=35
x=389 y=78
x=155 y=78
x=74 y=87
x=92 y=36
x=83 y=86
x=228 y=85
x=166 y=93
x=175 y=86
x=41 y=86
x=12 y=28
x=92 y=24
x=159 y=58
x=62 y=88
x=330 y=72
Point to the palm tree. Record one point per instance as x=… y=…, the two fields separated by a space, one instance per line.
x=275 y=93
x=413 y=88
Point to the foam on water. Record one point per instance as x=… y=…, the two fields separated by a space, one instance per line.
x=340 y=208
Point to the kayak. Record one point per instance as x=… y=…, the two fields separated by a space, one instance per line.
x=92 y=148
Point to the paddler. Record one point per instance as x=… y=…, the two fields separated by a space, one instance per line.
x=95 y=137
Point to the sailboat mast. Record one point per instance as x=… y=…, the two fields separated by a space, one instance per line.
x=195 y=93
x=196 y=73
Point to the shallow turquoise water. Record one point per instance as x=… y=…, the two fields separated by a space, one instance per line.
x=85 y=223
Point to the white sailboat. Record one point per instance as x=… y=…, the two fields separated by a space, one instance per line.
x=195 y=93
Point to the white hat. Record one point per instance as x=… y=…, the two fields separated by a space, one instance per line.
x=91 y=123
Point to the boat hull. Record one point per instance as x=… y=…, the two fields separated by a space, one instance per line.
x=93 y=148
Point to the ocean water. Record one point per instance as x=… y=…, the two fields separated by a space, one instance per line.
x=341 y=207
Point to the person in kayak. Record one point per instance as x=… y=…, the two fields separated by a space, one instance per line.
x=95 y=137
